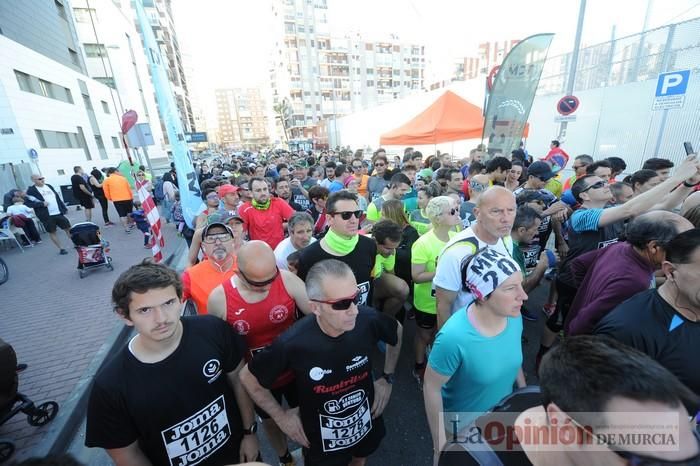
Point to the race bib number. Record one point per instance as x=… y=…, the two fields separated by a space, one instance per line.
x=340 y=432
x=364 y=292
x=192 y=440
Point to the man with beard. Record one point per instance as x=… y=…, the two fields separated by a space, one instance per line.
x=219 y=265
x=265 y=217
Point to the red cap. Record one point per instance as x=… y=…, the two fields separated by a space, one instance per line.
x=227 y=189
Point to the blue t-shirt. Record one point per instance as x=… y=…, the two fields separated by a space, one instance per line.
x=482 y=370
x=335 y=186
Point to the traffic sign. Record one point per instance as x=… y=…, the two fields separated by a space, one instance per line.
x=33 y=154
x=196 y=137
x=670 y=90
x=567 y=105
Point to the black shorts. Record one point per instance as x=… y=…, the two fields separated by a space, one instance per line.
x=86 y=202
x=425 y=320
x=54 y=221
x=124 y=208
x=290 y=394
x=363 y=449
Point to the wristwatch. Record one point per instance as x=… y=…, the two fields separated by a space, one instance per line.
x=389 y=378
x=251 y=430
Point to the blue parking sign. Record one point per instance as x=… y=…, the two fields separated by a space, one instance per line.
x=673 y=83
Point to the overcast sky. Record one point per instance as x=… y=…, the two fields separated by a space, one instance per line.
x=227 y=44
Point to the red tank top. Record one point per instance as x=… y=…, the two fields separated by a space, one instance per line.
x=260 y=323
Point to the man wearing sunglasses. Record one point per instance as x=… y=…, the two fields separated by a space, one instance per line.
x=380 y=175
x=597 y=381
x=399 y=185
x=49 y=209
x=343 y=242
x=331 y=355
x=260 y=302
x=595 y=226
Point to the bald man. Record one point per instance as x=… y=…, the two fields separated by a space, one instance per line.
x=260 y=302
x=495 y=214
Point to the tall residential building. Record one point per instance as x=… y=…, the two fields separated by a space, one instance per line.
x=114 y=55
x=242 y=118
x=53 y=116
x=489 y=54
x=322 y=77
x=160 y=16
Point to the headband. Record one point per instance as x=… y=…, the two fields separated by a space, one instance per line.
x=487 y=270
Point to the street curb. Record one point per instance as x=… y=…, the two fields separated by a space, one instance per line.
x=62 y=429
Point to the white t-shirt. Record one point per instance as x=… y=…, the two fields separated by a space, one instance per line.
x=283 y=250
x=49 y=197
x=448 y=273
x=20 y=209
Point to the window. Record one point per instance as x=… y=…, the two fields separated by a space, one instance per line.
x=115 y=142
x=105 y=106
x=98 y=141
x=82 y=15
x=40 y=137
x=86 y=101
x=69 y=95
x=95 y=50
x=107 y=81
x=74 y=56
x=61 y=9
x=46 y=88
x=24 y=81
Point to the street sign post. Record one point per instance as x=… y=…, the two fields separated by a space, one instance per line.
x=670 y=90
x=195 y=137
x=33 y=154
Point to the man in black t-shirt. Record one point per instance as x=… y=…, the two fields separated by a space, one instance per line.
x=82 y=192
x=665 y=323
x=340 y=403
x=342 y=242
x=172 y=396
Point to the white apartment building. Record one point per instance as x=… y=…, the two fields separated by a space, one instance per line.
x=115 y=56
x=323 y=77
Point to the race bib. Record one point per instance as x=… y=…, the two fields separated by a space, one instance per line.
x=364 y=292
x=192 y=440
x=340 y=432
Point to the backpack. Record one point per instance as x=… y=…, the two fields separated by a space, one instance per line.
x=158 y=193
x=467 y=454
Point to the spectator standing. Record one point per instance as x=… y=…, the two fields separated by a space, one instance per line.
x=117 y=190
x=380 y=175
x=82 y=192
x=96 y=178
x=49 y=209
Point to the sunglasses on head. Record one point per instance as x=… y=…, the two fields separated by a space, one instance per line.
x=341 y=304
x=346 y=215
x=262 y=283
x=598 y=185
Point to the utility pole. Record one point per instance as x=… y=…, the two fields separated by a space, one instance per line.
x=574 y=62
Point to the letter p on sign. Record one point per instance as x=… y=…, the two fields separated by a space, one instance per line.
x=673 y=83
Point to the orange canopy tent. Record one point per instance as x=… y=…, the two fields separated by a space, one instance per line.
x=449 y=118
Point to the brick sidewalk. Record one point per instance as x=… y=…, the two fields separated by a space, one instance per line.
x=55 y=321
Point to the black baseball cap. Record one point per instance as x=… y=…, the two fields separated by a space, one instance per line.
x=541 y=170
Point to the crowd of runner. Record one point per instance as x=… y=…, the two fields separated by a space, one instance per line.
x=303 y=269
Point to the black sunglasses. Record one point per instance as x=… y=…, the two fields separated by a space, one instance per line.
x=453 y=211
x=598 y=185
x=346 y=215
x=262 y=283
x=341 y=304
